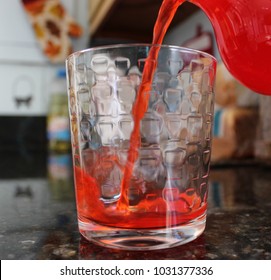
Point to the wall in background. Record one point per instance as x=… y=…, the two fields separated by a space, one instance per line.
x=187 y=30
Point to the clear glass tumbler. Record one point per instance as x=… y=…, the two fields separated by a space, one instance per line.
x=141 y=153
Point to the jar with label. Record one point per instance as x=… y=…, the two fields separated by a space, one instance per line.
x=58 y=129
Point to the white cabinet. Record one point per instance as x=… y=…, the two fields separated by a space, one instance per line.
x=25 y=72
x=24 y=89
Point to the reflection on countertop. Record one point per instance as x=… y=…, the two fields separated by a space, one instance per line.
x=38 y=216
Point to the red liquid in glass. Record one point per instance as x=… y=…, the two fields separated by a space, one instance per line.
x=154 y=210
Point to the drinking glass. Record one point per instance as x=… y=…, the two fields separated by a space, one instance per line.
x=141 y=154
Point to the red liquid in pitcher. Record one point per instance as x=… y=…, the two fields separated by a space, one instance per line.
x=243 y=35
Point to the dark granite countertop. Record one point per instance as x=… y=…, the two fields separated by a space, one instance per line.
x=38 y=216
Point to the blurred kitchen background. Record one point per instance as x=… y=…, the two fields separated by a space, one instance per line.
x=36 y=186
x=33 y=107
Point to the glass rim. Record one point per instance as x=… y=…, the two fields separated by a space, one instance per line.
x=134 y=45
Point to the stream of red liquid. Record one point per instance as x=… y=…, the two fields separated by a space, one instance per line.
x=165 y=16
x=152 y=211
x=244 y=47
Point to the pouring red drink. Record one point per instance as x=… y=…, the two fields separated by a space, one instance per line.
x=243 y=35
x=148 y=213
x=243 y=32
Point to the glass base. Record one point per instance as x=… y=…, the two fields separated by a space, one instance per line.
x=142 y=239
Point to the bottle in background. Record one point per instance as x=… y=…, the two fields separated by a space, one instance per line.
x=58 y=130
